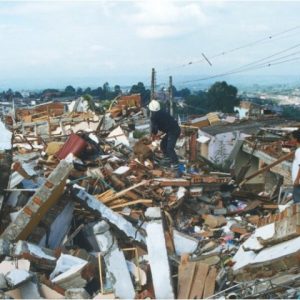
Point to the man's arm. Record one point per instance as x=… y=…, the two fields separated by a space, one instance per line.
x=154 y=127
x=297 y=180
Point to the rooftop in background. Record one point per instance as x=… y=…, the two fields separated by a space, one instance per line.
x=247 y=126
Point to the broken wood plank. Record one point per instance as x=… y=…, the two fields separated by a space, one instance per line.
x=270 y=206
x=199 y=281
x=186 y=273
x=144 y=201
x=210 y=283
x=172 y=182
x=106 y=194
x=132 y=195
x=123 y=192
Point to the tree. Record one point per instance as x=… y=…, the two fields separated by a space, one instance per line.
x=69 y=91
x=87 y=90
x=106 y=90
x=79 y=91
x=222 y=97
x=197 y=104
x=9 y=95
x=98 y=92
x=140 y=89
x=183 y=93
x=291 y=113
x=18 y=95
x=117 y=90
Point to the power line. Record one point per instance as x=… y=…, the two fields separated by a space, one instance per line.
x=252 y=64
x=275 y=54
x=251 y=68
x=250 y=44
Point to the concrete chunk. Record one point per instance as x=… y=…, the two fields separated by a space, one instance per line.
x=158 y=257
x=184 y=243
x=67 y=272
x=115 y=261
x=113 y=217
x=17 y=276
x=5 y=247
x=3 y=283
x=77 y=294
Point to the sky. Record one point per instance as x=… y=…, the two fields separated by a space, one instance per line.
x=86 y=43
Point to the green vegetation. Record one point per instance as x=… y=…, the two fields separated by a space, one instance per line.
x=139 y=88
x=291 y=112
x=137 y=134
x=220 y=97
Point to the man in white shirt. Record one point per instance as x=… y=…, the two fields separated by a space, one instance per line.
x=296 y=168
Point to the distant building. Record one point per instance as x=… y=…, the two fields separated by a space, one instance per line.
x=248 y=109
x=221 y=143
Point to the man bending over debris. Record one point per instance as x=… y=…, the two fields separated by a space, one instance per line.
x=163 y=121
x=296 y=168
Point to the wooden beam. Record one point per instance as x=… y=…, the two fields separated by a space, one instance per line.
x=123 y=192
x=268 y=167
x=186 y=272
x=210 y=283
x=144 y=201
x=199 y=281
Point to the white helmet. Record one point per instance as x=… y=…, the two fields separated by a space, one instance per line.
x=154 y=105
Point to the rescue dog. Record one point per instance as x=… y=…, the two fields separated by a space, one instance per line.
x=142 y=151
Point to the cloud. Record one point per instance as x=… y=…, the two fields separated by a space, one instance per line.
x=97 y=48
x=162 y=19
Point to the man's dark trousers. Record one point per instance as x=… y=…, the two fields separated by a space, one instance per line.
x=168 y=143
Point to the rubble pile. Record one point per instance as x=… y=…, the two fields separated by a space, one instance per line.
x=85 y=214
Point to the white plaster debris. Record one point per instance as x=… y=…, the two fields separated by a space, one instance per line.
x=184 y=243
x=93 y=137
x=278 y=250
x=181 y=192
x=65 y=263
x=121 y=170
x=158 y=257
x=139 y=274
x=37 y=251
x=203 y=139
x=244 y=258
x=5 y=141
x=34 y=250
x=72 y=272
x=115 y=261
x=17 y=276
x=9 y=265
x=265 y=232
x=14 y=215
x=118 y=137
x=153 y=212
x=114 y=218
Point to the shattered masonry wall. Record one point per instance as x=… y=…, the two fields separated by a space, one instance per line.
x=44 y=198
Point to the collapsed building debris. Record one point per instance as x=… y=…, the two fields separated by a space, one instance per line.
x=85 y=214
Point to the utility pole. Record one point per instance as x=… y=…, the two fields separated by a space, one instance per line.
x=153 y=83
x=171 y=96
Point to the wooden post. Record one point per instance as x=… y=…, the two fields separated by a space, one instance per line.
x=268 y=167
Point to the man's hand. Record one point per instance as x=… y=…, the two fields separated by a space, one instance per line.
x=154 y=137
